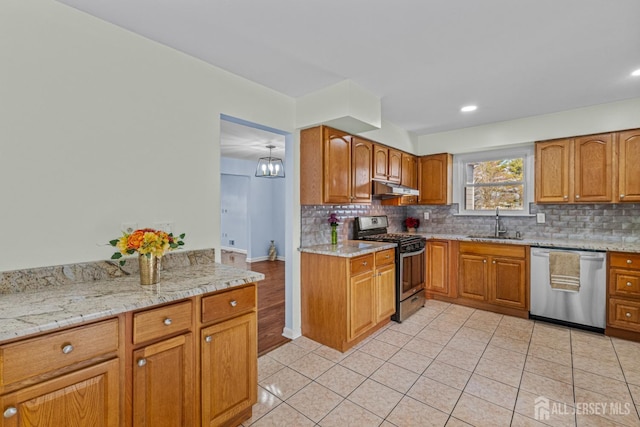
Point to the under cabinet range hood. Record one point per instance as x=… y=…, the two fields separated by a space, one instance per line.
x=384 y=189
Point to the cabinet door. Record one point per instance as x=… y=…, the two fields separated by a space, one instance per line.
x=386 y=287
x=337 y=167
x=394 y=169
x=434 y=179
x=380 y=162
x=362 y=155
x=409 y=172
x=508 y=282
x=593 y=175
x=552 y=171
x=438 y=267
x=158 y=398
x=85 y=398
x=362 y=304
x=473 y=276
x=229 y=369
x=629 y=166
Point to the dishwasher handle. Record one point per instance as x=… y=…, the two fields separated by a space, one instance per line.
x=542 y=253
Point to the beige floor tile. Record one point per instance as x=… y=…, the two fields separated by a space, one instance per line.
x=549 y=369
x=522 y=421
x=362 y=363
x=518 y=323
x=306 y=343
x=379 y=349
x=446 y=325
x=481 y=413
x=435 y=336
x=635 y=393
x=284 y=383
x=592 y=420
x=407 y=327
x=460 y=310
x=341 y=380
x=600 y=367
x=395 y=338
x=547 y=387
x=376 y=398
x=610 y=407
x=486 y=317
x=550 y=354
x=349 y=414
x=435 y=394
x=412 y=361
x=632 y=376
x=288 y=353
x=551 y=330
x=560 y=344
x=312 y=365
x=314 y=401
x=458 y=358
x=454 y=422
x=482 y=325
x=410 y=412
x=267 y=367
x=424 y=347
x=629 y=362
x=500 y=372
x=492 y=391
x=504 y=356
x=613 y=389
x=284 y=415
x=467 y=345
x=511 y=344
x=605 y=354
x=513 y=333
x=447 y=374
x=473 y=334
x=266 y=402
x=559 y=415
x=332 y=354
x=395 y=377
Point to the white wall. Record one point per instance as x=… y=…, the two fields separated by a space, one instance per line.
x=99 y=126
x=583 y=121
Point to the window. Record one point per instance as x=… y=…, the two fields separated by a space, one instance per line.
x=491 y=179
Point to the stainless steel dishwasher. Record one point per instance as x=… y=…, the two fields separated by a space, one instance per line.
x=586 y=307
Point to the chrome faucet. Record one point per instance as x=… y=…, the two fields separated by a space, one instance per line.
x=499 y=231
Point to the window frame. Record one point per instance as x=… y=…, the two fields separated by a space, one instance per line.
x=527 y=152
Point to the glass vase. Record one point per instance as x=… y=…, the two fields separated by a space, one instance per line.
x=334 y=234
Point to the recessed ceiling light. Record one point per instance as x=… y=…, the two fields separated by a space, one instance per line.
x=636 y=73
x=468 y=108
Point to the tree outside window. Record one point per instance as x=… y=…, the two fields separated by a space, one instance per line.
x=494 y=183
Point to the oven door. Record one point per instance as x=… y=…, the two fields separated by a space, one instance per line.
x=412 y=273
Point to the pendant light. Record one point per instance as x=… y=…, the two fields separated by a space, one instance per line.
x=270 y=167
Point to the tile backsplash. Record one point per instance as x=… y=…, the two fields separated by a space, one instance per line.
x=605 y=222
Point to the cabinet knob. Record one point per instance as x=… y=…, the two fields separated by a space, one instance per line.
x=622 y=196
x=233 y=303
x=387 y=257
x=142 y=362
x=577 y=196
x=10 y=411
x=565 y=197
x=628 y=314
x=364 y=263
x=208 y=338
x=493 y=262
x=629 y=261
x=484 y=260
x=628 y=283
x=67 y=348
x=167 y=321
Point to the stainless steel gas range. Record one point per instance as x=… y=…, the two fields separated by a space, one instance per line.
x=410 y=262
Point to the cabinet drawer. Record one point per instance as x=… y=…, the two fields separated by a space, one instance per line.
x=163 y=321
x=625 y=282
x=494 y=249
x=228 y=304
x=37 y=356
x=361 y=264
x=624 y=260
x=624 y=314
x=385 y=257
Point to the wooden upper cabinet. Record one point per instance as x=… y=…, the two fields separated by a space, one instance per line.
x=395 y=166
x=409 y=172
x=552 y=171
x=629 y=166
x=362 y=155
x=387 y=164
x=435 y=173
x=593 y=173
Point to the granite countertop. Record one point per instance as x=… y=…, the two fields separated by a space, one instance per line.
x=27 y=313
x=348 y=248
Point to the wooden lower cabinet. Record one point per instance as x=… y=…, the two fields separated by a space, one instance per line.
x=386 y=292
x=362 y=305
x=89 y=397
x=473 y=276
x=623 y=295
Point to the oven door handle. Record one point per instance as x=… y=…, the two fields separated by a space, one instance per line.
x=408 y=254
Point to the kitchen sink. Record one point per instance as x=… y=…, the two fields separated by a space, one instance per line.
x=494 y=237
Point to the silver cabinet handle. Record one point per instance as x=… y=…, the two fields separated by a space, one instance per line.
x=67 y=348
x=142 y=362
x=629 y=261
x=167 y=321
x=233 y=303
x=628 y=283
x=10 y=412
x=628 y=314
x=208 y=338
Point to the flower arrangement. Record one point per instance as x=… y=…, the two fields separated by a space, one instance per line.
x=333 y=219
x=411 y=222
x=145 y=241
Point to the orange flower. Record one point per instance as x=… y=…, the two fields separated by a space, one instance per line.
x=135 y=239
x=145 y=241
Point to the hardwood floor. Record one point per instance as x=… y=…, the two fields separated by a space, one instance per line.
x=270 y=299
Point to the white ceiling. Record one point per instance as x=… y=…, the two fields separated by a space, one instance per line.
x=424 y=58
x=243 y=142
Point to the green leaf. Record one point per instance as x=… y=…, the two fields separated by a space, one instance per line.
x=113 y=242
x=117 y=255
x=181 y=243
x=182 y=235
x=123 y=261
x=130 y=251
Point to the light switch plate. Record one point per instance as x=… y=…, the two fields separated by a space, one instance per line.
x=541 y=218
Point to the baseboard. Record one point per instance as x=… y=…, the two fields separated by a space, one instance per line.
x=236 y=250
x=291 y=334
x=257 y=259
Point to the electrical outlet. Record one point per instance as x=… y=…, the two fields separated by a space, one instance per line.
x=232 y=242
x=426 y=215
x=163 y=226
x=541 y=218
x=128 y=227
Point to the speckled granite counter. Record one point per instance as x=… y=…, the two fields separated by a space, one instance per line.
x=61 y=305
x=348 y=248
